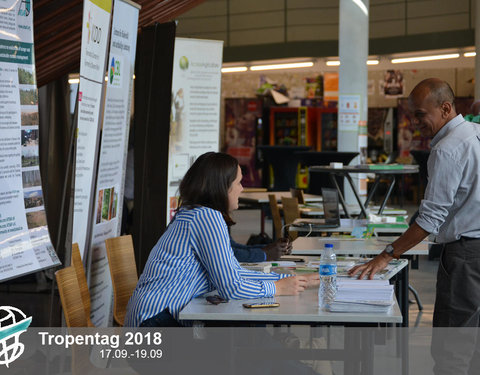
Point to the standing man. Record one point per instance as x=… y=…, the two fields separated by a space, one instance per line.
x=450 y=210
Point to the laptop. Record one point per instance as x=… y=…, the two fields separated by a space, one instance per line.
x=331 y=212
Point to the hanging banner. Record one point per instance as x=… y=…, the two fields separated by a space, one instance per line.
x=195 y=113
x=95 y=27
x=113 y=155
x=25 y=245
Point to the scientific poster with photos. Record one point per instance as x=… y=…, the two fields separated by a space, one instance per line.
x=113 y=155
x=25 y=245
x=195 y=111
x=93 y=55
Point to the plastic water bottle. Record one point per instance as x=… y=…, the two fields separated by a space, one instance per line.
x=328 y=276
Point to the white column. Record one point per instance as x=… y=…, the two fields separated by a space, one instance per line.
x=353 y=74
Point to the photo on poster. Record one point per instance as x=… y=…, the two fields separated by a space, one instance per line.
x=26 y=76
x=99 y=207
x=30 y=137
x=28 y=96
x=393 y=84
x=110 y=205
x=30 y=156
x=31 y=178
x=29 y=116
x=113 y=209
x=36 y=219
x=106 y=204
x=33 y=198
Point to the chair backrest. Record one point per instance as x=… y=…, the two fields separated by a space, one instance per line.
x=290 y=213
x=71 y=298
x=298 y=193
x=123 y=271
x=82 y=281
x=277 y=219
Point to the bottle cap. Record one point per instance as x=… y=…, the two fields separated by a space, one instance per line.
x=328 y=246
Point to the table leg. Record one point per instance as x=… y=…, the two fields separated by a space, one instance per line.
x=403 y=295
x=351 y=344
x=368 y=351
x=362 y=207
x=390 y=188
x=372 y=191
x=262 y=220
x=340 y=195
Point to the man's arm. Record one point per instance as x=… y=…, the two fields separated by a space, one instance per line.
x=414 y=234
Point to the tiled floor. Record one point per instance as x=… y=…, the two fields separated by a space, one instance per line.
x=422 y=279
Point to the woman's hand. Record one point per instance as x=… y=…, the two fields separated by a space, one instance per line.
x=294 y=285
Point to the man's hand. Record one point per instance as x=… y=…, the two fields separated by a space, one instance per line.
x=371 y=268
x=278 y=248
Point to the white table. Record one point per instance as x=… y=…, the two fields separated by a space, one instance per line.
x=301 y=309
x=358 y=346
x=353 y=209
x=347 y=226
x=262 y=197
x=379 y=171
x=371 y=246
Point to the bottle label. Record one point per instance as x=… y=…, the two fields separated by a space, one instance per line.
x=327 y=269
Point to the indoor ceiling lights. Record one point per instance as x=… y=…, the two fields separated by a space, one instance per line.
x=234 y=69
x=469 y=54
x=425 y=58
x=337 y=63
x=333 y=63
x=307 y=64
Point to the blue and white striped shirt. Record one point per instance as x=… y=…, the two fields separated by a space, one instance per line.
x=191 y=258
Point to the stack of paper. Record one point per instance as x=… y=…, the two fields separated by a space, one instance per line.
x=355 y=295
x=262 y=266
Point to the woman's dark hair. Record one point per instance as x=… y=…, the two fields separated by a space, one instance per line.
x=207 y=182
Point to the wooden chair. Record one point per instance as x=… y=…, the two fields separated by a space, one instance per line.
x=82 y=281
x=123 y=271
x=291 y=212
x=298 y=193
x=71 y=297
x=276 y=218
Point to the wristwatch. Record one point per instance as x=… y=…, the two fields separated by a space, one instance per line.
x=390 y=251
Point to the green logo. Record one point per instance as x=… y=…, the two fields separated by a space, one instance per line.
x=183 y=63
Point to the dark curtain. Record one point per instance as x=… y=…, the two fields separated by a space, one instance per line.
x=153 y=71
x=55 y=142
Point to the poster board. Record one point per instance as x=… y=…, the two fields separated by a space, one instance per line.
x=107 y=219
x=25 y=245
x=195 y=112
x=95 y=31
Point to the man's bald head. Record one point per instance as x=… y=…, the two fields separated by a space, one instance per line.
x=437 y=90
x=431 y=104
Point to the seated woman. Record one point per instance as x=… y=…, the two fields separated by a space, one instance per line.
x=194 y=255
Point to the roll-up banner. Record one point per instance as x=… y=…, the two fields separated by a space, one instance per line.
x=95 y=32
x=113 y=154
x=195 y=113
x=25 y=245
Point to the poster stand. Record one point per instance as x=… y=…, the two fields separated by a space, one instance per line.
x=65 y=222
